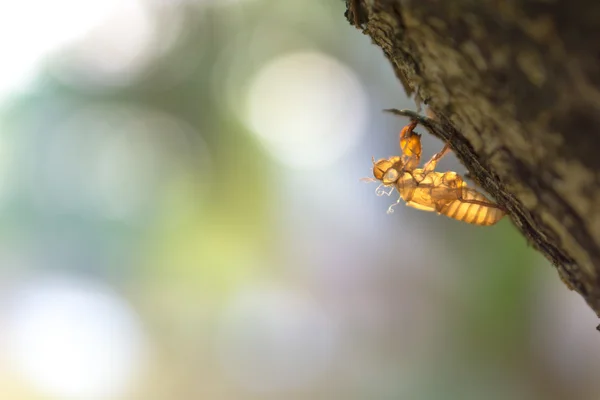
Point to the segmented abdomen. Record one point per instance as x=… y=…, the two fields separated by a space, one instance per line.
x=473 y=208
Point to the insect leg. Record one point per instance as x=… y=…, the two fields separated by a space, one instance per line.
x=469 y=195
x=410 y=145
x=431 y=164
x=409 y=140
x=480 y=202
x=479 y=209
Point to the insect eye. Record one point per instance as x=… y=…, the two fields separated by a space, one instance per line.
x=380 y=168
x=390 y=176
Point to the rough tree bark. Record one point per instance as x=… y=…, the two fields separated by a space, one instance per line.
x=515 y=86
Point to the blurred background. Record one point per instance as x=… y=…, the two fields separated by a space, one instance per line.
x=181 y=217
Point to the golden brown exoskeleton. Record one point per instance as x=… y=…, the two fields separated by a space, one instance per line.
x=425 y=189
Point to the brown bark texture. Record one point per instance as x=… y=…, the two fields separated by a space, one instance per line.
x=515 y=88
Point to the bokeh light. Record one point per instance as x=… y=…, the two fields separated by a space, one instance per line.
x=56 y=23
x=118 y=51
x=73 y=339
x=307 y=109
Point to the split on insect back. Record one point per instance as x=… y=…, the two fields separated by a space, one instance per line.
x=428 y=190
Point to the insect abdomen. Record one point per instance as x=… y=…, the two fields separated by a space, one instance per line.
x=473 y=208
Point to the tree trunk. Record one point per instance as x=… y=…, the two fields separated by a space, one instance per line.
x=515 y=88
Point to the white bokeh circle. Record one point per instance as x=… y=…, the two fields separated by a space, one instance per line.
x=73 y=339
x=307 y=108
